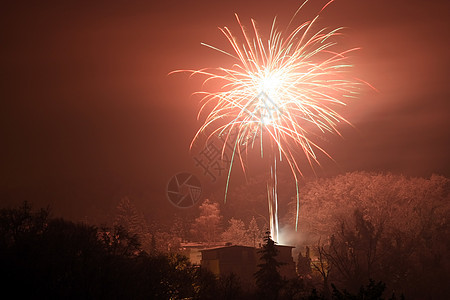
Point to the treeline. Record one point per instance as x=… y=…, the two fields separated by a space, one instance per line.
x=51 y=258
x=390 y=228
x=208 y=228
x=370 y=236
x=48 y=258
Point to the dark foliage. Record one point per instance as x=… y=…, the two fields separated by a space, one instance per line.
x=268 y=279
x=373 y=291
x=49 y=258
x=53 y=258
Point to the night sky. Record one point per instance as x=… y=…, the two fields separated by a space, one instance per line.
x=89 y=113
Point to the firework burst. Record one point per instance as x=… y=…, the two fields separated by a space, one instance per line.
x=279 y=89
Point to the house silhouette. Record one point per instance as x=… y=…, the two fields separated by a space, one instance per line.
x=243 y=262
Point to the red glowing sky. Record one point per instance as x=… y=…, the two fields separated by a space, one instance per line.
x=89 y=113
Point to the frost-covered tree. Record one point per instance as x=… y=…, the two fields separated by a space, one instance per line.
x=254 y=234
x=399 y=233
x=207 y=227
x=394 y=201
x=235 y=233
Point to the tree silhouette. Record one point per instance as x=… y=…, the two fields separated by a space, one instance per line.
x=268 y=279
x=253 y=233
x=235 y=233
x=323 y=267
x=43 y=258
x=354 y=251
x=304 y=263
x=373 y=291
x=119 y=242
x=128 y=217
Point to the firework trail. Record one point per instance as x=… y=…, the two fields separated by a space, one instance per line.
x=279 y=89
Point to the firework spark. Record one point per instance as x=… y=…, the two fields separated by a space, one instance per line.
x=279 y=89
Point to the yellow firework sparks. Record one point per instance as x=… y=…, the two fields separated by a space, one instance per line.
x=279 y=88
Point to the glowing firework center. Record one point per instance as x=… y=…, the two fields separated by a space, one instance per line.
x=268 y=98
x=283 y=87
